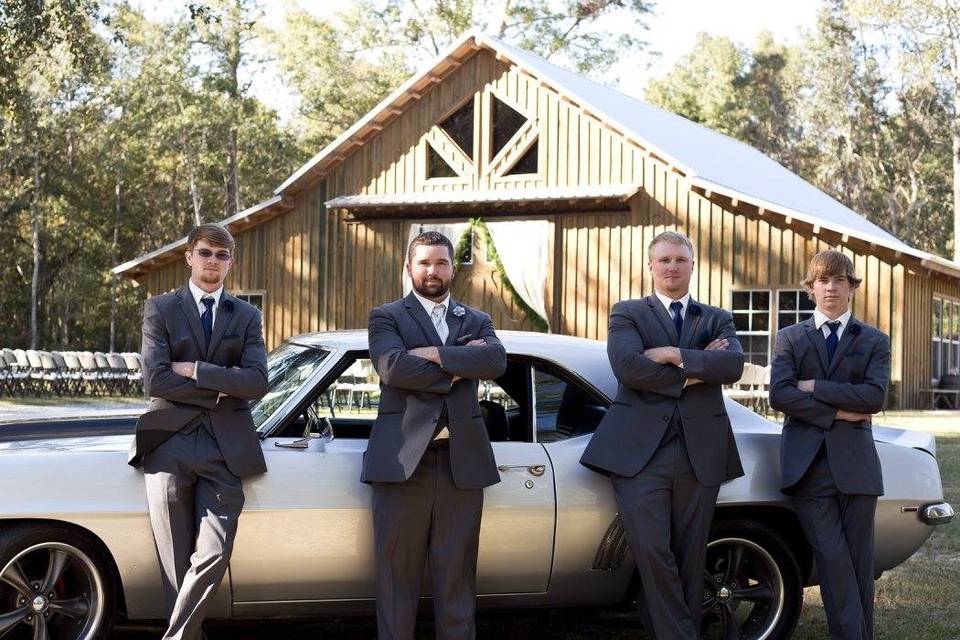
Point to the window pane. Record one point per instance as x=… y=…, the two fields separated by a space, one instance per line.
x=459 y=126
x=761 y=321
x=787 y=300
x=741 y=321
x=805 y=302
x=937 y=312
x=761 y=300
x=506 y=122
x=526 y=164
x=437 y=167
x=741 y=299
x=786 y=319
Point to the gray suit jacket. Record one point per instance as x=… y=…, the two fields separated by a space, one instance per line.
x=414 y=392
x=651 y=393
x=856 y=380
x=234 y=363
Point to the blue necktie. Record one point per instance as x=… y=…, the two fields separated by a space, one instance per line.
x=206 y=318
x=832 y=339
x=677 y=307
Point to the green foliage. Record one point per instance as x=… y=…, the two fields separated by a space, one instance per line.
x=831 y=110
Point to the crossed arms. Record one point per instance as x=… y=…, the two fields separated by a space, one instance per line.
x=432 y=369
x=667 y=370
x=821 y=402
x=169 y=380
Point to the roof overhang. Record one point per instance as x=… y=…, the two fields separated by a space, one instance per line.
x=489 y=203
x=236 y=223
x=833 y=233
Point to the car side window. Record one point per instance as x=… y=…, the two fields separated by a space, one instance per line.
x=562 y=407
x=351 y=401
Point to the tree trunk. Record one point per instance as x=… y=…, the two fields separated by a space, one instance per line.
x=113 y=259
x=955 y=139
x=35 y=241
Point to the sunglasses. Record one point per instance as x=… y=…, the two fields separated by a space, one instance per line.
x=222 y=256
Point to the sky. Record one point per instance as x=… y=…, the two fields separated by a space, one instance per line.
x=672 y=30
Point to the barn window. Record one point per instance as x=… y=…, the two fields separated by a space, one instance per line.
x=256 y=299
x=751 y=315
x=793 y=306
x=437 y=167
x=945 y=333
x=527 y=163
x=459 y=126
x=506 y=122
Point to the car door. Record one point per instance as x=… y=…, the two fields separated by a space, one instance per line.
x=306 y=531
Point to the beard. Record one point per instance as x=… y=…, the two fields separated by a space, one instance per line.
x=432 y=287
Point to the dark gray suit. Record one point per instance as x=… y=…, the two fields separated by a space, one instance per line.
x=194 y=448
x=829 y=466
x=427 y=495
x=667 y=449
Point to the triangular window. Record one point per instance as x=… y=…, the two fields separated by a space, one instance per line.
x=437 y=167
x=506 y=122
x=459 y=126
x=527 y=162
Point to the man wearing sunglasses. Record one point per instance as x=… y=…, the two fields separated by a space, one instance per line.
x=204 y=361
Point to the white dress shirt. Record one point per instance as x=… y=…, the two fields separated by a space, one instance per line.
x=820 y=319
x=429 y=306
x=198 y=294
x=666 y=300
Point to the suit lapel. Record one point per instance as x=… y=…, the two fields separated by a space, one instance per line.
x=819 y=344
x=419 y=314
x=691 y=320
x=225 y=316
x=189 y=308
x=454 y=323
x=665 y=320
x=849 y=335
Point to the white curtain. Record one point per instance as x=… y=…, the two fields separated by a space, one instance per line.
x=453 y=231
x=523 y=247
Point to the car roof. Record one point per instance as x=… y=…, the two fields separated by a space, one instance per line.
x=587 y=358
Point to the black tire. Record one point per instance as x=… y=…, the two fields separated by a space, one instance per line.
x=752 y=583
x=79 y=599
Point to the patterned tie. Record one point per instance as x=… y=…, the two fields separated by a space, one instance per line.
x=832 y=339
x=206 y=318
x=677 y=306
x=439 y=322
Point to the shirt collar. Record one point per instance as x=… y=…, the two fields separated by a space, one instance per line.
x=819 y=318
x=429 y=305
x=666 y=300
x=198 y=293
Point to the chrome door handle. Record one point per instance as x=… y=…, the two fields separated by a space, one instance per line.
x=534 y=469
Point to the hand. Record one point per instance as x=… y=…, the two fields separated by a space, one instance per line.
x=427 y=353
x=853 y=416
x=455 y=379
x=806 y=385
x=479 y=342
x=690 y=381
x=664 y=355
x=184 y=369
x=717 y=345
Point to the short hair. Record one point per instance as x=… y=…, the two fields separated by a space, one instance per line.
x=673 y=237
x=831 y=262
x=216 y=235
x=429 y=239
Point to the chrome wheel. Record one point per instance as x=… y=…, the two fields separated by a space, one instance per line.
x=743 y=591
x=51 y=591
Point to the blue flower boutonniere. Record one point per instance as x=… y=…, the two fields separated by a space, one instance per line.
x=854 y=329
x=227 y=306
x=694 y=310
x=458 y=311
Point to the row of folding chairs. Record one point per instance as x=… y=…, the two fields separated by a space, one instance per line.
x=29 y=372
x=752 y=389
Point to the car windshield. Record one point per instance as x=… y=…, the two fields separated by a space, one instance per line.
x=288 y=366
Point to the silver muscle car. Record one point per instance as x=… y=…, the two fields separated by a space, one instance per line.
x=76 y=548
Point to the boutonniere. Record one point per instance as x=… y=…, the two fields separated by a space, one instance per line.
x=227 y=306
x=854 y=329
x=694 y=310
x=458 y=311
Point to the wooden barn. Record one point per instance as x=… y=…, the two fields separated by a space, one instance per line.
x=552 y=185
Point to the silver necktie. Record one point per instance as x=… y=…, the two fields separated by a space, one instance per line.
x=440 y=322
